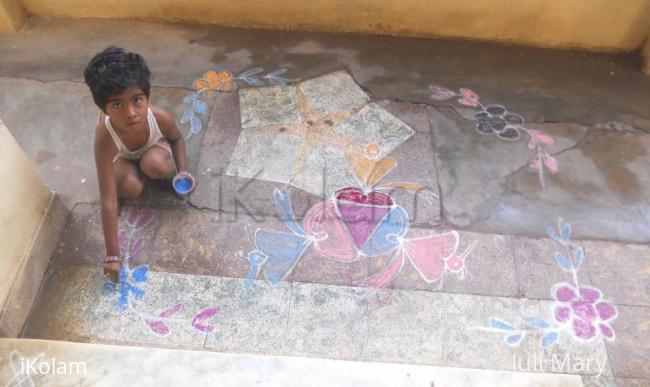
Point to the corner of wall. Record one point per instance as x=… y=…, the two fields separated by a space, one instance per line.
x=645 y=52
x=12 y=16
x=27 y=284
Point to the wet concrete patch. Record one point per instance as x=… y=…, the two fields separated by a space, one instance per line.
x=61 y=143
x=543 y=85
x=489 y=185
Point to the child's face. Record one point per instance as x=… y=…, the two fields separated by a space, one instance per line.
x=128 y=110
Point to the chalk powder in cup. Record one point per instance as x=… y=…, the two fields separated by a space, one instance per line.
x=183 y=185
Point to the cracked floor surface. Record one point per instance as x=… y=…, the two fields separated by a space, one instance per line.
x=472 y=141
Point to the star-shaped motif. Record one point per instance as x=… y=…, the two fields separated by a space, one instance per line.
x=300 y=134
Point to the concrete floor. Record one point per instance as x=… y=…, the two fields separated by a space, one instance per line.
x=584 y=115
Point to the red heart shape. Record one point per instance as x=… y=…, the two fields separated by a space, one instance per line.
x=361 y=212
x=355 y=195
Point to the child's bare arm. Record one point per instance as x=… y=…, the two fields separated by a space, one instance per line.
x=108 y=198
x=169 y=129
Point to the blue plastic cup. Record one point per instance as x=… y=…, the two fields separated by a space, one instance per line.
x=183 y=183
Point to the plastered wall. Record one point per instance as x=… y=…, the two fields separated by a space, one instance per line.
x=602 y=25
x=24 y=200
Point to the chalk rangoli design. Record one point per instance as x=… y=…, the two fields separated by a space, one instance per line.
x=133 y=280
x=222 y=81
x=497 y=120
x=21 y=377
x=357 y=222
x=579 y=310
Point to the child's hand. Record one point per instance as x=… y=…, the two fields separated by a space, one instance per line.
x=112 y=271
x=112 y=268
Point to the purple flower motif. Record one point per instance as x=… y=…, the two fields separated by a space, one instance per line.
x=584 y=311
x=495 y=119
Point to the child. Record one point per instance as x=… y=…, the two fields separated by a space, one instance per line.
x=132 y=138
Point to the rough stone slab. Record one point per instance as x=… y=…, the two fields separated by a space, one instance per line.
x=333 y=92
x=216 y=190
x=410 y=328
x=176 y=240
x=621 y=271
x=64 y=296
x=310 y=319
x=599 y=381
x=269 y=144
x=251 y=322
x=374 y=125
x=162 y=367
x=325 y=170
x=315 y=268
x=412 y=114
x=537 y=270
x=628 y=382
x=264 y=155
x=487 y=184
x=216 y=149
x=469 y=345
x=106 y=323
x=199 y=242
x=325 y=321
x=267 y=106
x=310 y=268
x=235 y=241
x=238 y=196
x=188 y=241
x=630 y=352
x=61 y=145
x=490 y=267
x=82 y=309
x=416 y=164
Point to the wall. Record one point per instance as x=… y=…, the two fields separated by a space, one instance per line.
x=30 y=230
x=603 y=25
x=646 y=56
x=12 y=16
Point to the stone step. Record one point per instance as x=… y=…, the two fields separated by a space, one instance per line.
x=189 y=241
x=300 y=319
x=197 y=259
x=59 y=363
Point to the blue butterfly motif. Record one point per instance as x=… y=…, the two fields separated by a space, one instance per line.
x=125 y=288
x=278 y=251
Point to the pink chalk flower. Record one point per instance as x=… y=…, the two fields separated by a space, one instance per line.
x=583 y=311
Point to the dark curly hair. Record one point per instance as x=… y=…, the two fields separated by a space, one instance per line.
x=114 y=70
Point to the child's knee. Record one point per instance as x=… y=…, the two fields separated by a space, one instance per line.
x=130 y=187
x=157 y=167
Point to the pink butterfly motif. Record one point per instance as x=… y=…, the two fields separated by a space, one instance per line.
x=535 y=163
x=469 y=97
x=441 y=93
x=551 y=163
x=468 y=102
x=468 y=93
x=139 y=218
x=542 y=137
x=158 y=326
x=432 y=256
